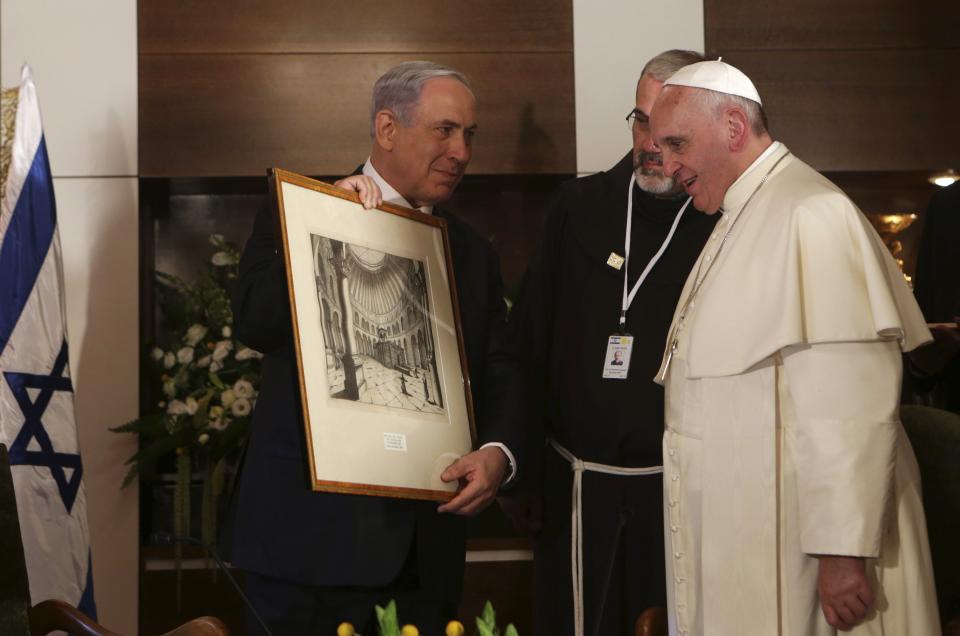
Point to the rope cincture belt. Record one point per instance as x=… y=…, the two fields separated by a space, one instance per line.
x=578 y=466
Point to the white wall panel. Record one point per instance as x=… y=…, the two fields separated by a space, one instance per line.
x=612 y=40
x=84 y=61
x=98 y=234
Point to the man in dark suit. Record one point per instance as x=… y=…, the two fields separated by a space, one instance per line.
x=314 y=559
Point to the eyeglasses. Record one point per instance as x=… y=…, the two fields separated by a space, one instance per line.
x=635 y=117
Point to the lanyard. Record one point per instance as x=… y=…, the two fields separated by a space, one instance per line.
x=628 y=297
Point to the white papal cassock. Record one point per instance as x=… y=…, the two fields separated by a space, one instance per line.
x=783 y=438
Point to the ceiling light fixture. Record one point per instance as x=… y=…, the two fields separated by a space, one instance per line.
x=945 y=178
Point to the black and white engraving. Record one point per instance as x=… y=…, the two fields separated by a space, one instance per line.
x=376 y=327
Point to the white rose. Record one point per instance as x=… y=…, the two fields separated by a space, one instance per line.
x=215 y=366
x=243 y=389
x=204 y=361
x=169 y=388
x=195 y=334
x=222 y=350
x=226 y=331
x=192 y=405
x=215 y=412
x=240 y=407
x=185 y=355
x=227 y=398
x=157 y=354
x=169 y=360
x=203 y=438
x=176 y=407
x=222 y=258
x=219 y=423
x=248 y=354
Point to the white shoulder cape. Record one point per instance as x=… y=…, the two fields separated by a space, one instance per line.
x=802 y=265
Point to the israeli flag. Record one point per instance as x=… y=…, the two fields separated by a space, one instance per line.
x=36 y=394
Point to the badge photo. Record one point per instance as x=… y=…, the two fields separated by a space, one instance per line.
x=616 y=362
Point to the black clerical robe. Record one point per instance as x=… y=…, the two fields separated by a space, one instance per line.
x=569 y=305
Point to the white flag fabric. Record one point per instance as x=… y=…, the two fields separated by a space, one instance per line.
x=36 y=394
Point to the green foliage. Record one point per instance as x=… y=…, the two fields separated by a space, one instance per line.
x=387 y=622
x=487 y=623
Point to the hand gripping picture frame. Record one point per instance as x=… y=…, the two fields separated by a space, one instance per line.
x=384 y=385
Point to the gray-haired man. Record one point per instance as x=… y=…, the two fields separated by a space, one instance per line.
x=589 y=356
x=315 y=559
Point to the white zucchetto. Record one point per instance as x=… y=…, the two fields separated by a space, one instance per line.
x=717 y=76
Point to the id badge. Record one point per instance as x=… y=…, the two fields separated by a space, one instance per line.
x=616 y=362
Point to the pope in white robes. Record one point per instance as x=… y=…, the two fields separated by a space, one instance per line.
x=792 y=495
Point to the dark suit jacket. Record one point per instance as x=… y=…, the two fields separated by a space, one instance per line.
x=284 y=530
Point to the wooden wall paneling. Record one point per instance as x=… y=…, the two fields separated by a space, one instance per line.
x=236 y=115
x=508 y=585
x=861 y=110
x=826 y=24
x=169 y=599
x=509 y=212
x=864 y=89
x=367 y=26
x=886 y=192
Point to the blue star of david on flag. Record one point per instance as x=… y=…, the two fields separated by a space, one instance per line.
x=33 y=429
x=36 y=394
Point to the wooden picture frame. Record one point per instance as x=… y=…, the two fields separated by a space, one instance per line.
x=373 y=298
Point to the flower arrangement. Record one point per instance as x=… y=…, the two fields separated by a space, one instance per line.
x=203 y=384
x=389 y=625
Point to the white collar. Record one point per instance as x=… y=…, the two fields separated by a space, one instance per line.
x=389 y=193
x=756 y=162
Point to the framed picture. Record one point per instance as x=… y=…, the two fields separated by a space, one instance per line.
x=383 y=376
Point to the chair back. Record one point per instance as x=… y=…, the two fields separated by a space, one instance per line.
x=652 y=622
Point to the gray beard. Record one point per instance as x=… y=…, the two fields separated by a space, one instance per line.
x=657 y=184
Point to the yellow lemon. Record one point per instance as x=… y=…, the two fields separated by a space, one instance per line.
x=345 y=629
x=454 y=628
x=409 y=630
